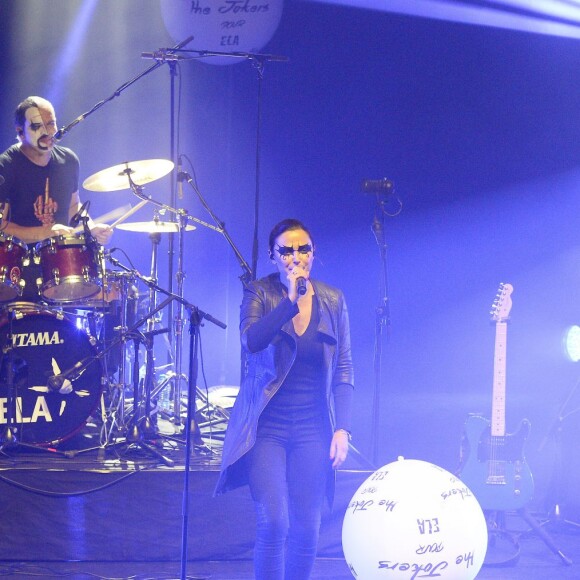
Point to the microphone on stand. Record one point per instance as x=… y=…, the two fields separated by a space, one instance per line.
x=166 y=54
x=377 y=185
x=162 y=56
x=301 y=286
x=62 y=382
x=75 y=220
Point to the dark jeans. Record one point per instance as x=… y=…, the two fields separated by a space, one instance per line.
x=288 y=470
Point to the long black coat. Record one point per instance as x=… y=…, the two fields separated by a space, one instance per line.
x=269 y=358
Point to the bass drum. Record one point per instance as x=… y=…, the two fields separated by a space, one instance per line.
x=44 y=344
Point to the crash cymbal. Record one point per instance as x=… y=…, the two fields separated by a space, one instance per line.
x=153 y=227
x=141 y=172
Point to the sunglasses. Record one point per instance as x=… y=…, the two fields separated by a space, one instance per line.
x=287 y=252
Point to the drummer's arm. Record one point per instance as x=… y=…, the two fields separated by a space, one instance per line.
x=28 y=235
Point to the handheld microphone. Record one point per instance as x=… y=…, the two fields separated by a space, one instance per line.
x=301 y=286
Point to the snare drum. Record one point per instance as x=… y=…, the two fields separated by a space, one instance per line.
x=45 y=344
x=12 y=254
x=69 y=267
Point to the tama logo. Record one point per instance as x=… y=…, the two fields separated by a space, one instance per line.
x=36 y=339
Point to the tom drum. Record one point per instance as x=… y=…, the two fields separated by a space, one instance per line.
x=70 y=269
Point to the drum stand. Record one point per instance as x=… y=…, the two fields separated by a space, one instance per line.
x=135 y=433
x=154 y=391
x=178 y=379
x=141 y=428
x=117 y=409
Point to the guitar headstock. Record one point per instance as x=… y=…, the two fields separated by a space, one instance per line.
x=500 y=309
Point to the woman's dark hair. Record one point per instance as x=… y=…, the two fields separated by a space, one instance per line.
x=285 y=226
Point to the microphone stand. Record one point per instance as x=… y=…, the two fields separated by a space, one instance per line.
x=64 y=130
x=183 y=218
x=382 y=314
x=247 y=275
x=191 y=429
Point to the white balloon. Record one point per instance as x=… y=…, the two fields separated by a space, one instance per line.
x=412 y=519
x=222 y=25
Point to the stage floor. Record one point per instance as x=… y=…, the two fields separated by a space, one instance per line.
x=82 y=511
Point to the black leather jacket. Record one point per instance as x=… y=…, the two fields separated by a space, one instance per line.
x=270 y=352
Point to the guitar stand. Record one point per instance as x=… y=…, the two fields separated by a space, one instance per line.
x=556 y=490
x=540 y=531
x=497 y=530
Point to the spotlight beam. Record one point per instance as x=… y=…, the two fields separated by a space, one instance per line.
x=550 y=17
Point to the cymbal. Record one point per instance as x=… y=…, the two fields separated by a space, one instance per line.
x=154 y=227
x=141 y=172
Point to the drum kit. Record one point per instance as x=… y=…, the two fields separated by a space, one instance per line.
x=74 y=353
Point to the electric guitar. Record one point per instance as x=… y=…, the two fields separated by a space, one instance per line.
x=495 y=469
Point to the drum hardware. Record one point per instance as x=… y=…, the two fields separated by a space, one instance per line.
x=215 y=414
x=194 y=311
x=154 y=227
x=135 y=175
x=141 y=429
x=179 y=379
x=124 y=282
x=184 y=224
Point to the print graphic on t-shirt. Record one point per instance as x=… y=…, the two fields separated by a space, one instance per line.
x=45 y=207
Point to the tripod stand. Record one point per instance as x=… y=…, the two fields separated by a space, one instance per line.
x=555 y=517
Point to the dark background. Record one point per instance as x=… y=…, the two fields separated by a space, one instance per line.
x=479 y=129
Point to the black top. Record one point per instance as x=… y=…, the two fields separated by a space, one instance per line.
x=25 y=182
x=301 y=395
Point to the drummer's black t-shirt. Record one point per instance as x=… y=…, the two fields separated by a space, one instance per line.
x=24 y=182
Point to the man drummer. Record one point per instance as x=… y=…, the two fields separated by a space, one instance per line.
x=40 y=189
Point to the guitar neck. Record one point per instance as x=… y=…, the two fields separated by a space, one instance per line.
x=499 y=375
